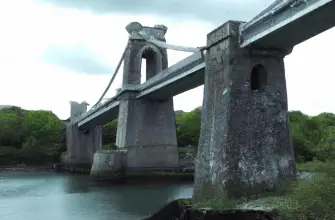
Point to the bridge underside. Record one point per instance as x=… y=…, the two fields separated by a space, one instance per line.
x=176 y=85
x=105 y=114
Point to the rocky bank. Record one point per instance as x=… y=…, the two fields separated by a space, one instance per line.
x=176 y=210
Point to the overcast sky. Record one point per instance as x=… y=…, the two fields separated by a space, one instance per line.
x=56 y=51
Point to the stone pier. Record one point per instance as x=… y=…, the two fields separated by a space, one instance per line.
x=245 y=145
x=81 y=144
x=146 y=128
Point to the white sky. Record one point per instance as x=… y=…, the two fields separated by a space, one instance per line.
x=32 y=33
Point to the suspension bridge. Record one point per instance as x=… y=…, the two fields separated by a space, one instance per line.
x=245 y=136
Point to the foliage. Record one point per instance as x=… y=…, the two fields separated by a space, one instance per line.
x=109 y=134
x=42 y=132
x=311 y=199
x=188 y=128
x=313 y=137
x=30 y=137
x=303 y=199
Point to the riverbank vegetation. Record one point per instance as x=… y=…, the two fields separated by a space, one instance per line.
x=39 y=136
x=313 y=137
x=302 y=199
x=30 y=137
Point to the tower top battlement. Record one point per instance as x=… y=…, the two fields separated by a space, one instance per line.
x=134 y=28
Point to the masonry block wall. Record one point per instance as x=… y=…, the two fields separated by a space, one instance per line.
x=146 y=127
x=81 y=144
x=245 y=145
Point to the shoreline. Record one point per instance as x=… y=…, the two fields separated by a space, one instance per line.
x=43 y=168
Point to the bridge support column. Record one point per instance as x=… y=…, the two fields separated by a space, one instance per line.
x=147 y=129
x=81 y=145
x=245 y=145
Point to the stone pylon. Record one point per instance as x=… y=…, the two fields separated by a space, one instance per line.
x=245 y=145
x=146 y=127
x=81 y=144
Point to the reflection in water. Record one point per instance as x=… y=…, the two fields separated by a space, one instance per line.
x=52 y=196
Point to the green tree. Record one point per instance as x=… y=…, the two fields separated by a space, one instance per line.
x=109 y=132
x=44 y=136
x=11 y=133
x=188 y=128
x=43 y=125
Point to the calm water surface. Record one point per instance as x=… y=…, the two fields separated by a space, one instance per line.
x=54 y=196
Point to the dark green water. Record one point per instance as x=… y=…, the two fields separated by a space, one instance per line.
x=54 y=196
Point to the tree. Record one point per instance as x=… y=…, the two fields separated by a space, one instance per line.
x=39 y=136
x=109 y=132
x=11 y=132
x=42 y=125
x=188 y=128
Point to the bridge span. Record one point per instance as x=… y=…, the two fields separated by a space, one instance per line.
x=245 y=143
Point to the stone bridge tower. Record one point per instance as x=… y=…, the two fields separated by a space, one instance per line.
x=146 y=127
x=81 y=145
x=245 y=146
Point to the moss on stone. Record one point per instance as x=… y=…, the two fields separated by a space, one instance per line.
x=185 y=201
x=311 y=198
x=160 y=174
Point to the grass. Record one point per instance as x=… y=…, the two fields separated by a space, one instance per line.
x=109 y=147
x=317 y=167
x=187 y=152
x=307 y=199
x=157 y=174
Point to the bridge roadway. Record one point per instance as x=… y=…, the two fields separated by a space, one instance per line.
x=180 y=77
x=280 y=27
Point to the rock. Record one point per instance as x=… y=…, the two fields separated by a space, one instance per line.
x=171 y=211
x=207 y=214
x=176 y=210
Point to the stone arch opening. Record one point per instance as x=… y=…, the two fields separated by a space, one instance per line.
x=151 y=62
x=258 y=78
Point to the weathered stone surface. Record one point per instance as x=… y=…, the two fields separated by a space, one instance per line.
x=108 y=163
x=245 y=145
x=203 y=214
x=77 y=109
x=146 y=127
x=152 y=156
x=172 y=210
x=177 y=210
x=81 y=145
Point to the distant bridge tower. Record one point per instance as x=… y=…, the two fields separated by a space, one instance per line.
x=77 y=109
x=81 y=145
x=146 y=127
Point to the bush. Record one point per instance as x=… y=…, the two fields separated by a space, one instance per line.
x=31 y=137
x=313 y=137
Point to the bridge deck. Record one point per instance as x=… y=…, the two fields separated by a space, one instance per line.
x=290 y=25
x=282 y=26
x=107 y=113
x=176 y=85
x=171 y=81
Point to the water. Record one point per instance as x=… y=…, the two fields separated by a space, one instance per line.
x=55 y=196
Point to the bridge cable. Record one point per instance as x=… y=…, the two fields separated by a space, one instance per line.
x=156 y=42
x=113 y=77
x=165 y=45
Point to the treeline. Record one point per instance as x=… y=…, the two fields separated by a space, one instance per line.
x=37 y=137
x=30 y=137
x=313 y=137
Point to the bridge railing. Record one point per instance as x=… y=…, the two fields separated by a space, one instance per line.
x=162 y=76
x=174 y=70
